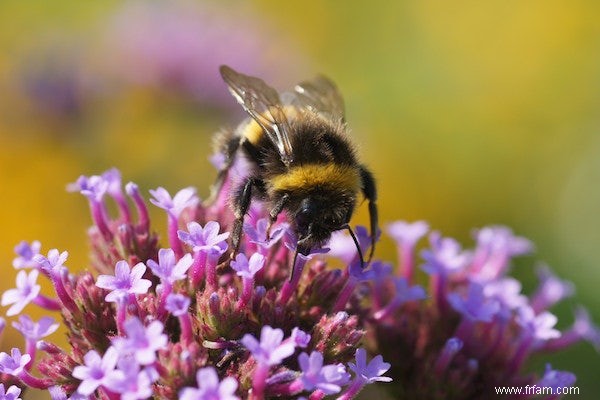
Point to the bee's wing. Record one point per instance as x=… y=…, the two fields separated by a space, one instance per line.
x=263 y=104
x=322 y=96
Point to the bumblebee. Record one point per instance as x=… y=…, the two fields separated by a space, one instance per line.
x=302 y=161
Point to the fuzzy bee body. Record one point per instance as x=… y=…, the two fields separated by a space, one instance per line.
x=301 y=159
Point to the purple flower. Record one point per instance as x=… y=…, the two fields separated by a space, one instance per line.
x=300 y=338
x=405 y=293
x=26 y=253
x=539 y=326
x=329 y=379
x=371 y=372
x=270 y=350
x=209 y=387
x=445 y=257
x=12 y=393
x=248 y=268
x=556 y=379
x=343 y=247
x=93 y=187
x=205 y=239
x=177 y=304
x=54 y=261
x=407 y=234
x=551 y=290
x=96 y=370
x=35 y=330
x=174 y=206
x=14 y=363
x=495 y=246
x=167 y=269
x=125 y=281
x=584 y=327
x=507 y=291
x=476 y=307
x=113 y=182
x=258 y=234
x=131 y=381
x=142 y=341
x=27 y=290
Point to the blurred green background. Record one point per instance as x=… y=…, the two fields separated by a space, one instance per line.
x=469 y=113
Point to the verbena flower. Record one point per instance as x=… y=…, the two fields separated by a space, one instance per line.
x=187 y=322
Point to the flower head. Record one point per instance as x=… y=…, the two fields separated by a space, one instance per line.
x=205 y=238
x=248 y=268
x=35 y=330
x=12 y=393
x=177 y=304
x=96 y=370
x=142 y=341
x=209 y=387
x=125 y=281
x=174 y=206
x=271 y=350
x=371 y=372
x=475 y=307
x=14 y=363
x=27 y=290
x=93 y=187
x=25 y=254
x=329 y=378
x=53 y=262
x=169 y=270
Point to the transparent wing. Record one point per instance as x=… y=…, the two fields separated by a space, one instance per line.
x=263 y=104
x=322 y=96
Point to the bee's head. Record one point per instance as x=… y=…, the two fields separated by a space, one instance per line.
x=318 y=216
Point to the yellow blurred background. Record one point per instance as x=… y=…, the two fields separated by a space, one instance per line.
x=470 y=113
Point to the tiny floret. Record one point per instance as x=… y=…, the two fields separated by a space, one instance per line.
x=209 y=387
x=142 y=341
x=27 y=290
x=12 y=393
x=125 y=281
x=14 y=363
x=25 y=254
x=35 y=330
x=96 y=371
x=329 y=378
x=371 y=372
x=174 y=206
x=167 y=268
x=271 y=350
x=248 y=268
x=205 y=238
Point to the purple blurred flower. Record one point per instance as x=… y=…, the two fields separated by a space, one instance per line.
x=315 y=376
x=271 y=350
x=169 y=270
x=93 y=187
x=475 y=307
x=445 y=256
x=300 y=338
x=507 y=291
x=539 y=326
x=125 y=281
x=556 y=379
x=35 y=330
x=131 y=381
x=12 y=393
x=142 y=341
x=407 y=234
x=26 y=253
x=96 y=370
x=26 y=291
x=177 y=304
x=209 y=387
x=551 y=290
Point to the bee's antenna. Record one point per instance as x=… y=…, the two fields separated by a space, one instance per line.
x=360 y=254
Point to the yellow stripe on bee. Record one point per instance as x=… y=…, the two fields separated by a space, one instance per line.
x=308 y=176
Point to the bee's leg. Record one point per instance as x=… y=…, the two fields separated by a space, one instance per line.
x=227 y=143
x=241 y=203
x=369 y=190
x=275 y=212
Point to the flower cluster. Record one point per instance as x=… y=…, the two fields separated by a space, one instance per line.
x=187 y=321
